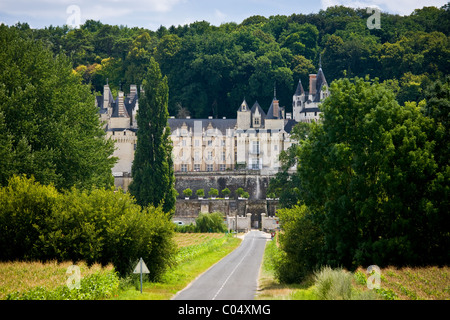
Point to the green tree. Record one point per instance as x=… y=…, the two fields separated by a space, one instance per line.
x=367 y=170
x=49 y=119
x=153 y=176
x=210 y=222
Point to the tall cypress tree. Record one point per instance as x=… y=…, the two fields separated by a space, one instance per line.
x=152 y=171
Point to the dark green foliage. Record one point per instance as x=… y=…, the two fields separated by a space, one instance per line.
x=210 y=222
x=211 y=69
x=301 y=244
x=372 y=189
x=206 y=222
x=100 y=226
x=153 y=176
x=50 y=125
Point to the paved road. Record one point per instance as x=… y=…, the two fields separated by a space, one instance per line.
x=234 y=277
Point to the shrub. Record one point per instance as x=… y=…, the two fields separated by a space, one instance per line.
x=239 y=192
x=333 y=284
x=200 y=192
x=187 y=228
x=210 y=222
x=300 y=243
x=213 y=192
x=336 y=284
x=38 y=223
x=226 y=192
x=187 y=192
x=25 y=205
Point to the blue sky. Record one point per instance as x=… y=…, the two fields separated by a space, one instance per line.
x=153 y=13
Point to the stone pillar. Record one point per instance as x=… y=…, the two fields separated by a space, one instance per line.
x=263 y=221
x=249 y=221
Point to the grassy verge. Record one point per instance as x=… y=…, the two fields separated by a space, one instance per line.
x=192 y=260
x=269 y=288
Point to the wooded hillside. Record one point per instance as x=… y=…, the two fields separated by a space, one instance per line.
x=212 y=69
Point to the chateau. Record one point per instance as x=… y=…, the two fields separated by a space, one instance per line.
x=252 y=141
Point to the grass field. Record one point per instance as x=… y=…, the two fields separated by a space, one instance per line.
x=190 y=239
x=424 y=283
x=22 y=277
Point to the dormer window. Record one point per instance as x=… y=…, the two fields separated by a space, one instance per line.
x=257 y=121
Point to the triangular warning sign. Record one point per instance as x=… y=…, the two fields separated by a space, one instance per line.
x=141 y=264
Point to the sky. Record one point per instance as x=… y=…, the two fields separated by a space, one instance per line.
x=151 y=14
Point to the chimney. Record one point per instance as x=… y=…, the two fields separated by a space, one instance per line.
x=122 y=111
x=312 y=84
x=106 y=94
x=133 y=91
x=276 y=108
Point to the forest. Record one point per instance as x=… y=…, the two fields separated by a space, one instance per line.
x=211 y=69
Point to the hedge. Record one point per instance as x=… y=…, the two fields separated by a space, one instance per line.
x=100 y=226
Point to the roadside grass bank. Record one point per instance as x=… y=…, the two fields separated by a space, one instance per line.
x=193 y=258
x=269 y=288
x=48 y=281
x=425 y=283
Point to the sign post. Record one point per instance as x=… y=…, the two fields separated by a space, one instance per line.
x=141 y=268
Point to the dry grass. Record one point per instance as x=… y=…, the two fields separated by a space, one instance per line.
x=425 y=283
x=189 y=239
x=23 y=276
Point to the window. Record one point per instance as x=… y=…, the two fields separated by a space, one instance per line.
x=275 y=147
x=223 y=156
x=196 y=156
x=256 y=121
x=184 y=168
x=183 y=143
x=197 y=142
x=222 y=167
x=209 y=143
x=255 y=147
x=209 y=167
x=223 y=143
x=255 y=164
x=196 y=167
x=210 y=155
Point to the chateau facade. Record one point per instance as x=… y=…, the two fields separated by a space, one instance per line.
x=252 y=141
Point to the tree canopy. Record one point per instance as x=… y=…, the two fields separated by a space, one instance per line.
x=210 y=69
x=48 y=119
x=372 y=182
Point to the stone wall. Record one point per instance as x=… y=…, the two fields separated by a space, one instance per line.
x=252 y=181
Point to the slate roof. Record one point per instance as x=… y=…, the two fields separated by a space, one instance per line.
x=270 y=114
x=255 y=107
x=221 y=124
x=299 y=90
x=320 y=82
